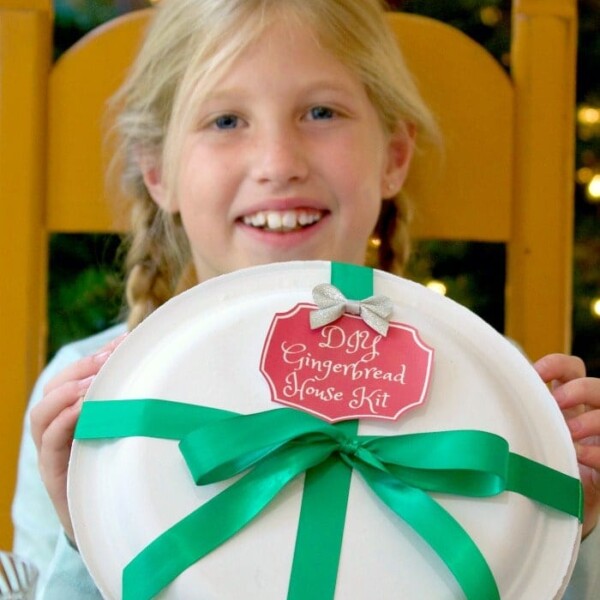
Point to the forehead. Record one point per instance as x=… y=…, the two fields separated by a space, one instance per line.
x=287 y=53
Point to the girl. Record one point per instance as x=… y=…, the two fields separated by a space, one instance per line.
x=255 y=131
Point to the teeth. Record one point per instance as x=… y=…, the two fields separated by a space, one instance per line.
x=305 y=219
x=287 y=220
x=274 y=220
x=258 y=220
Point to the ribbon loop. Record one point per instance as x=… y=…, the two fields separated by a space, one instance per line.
x=375 y=311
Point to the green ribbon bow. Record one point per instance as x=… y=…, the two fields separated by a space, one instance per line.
x=276 y=446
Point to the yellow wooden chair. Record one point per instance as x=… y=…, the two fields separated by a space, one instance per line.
x=507 y=171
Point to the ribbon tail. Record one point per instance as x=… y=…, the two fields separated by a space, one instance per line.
x=147 y=417
x=216 y=521
x=545 y=485
x=439 y=529
x=321 y=527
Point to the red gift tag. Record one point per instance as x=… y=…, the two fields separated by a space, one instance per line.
x=345 y=370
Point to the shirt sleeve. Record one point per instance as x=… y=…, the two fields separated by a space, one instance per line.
x=38 y=535
x=585 y=582
x=67 y=576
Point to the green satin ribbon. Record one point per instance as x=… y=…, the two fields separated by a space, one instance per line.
x=276 y=446
x=327 y=485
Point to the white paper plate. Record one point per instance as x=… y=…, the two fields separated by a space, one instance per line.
x=204 y=347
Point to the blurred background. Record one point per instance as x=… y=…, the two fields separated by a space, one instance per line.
x=85 y=276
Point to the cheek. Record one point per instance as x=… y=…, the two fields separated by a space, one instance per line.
x=365 y=155
x=200 y=186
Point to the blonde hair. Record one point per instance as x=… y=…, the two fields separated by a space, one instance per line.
x=189 y=46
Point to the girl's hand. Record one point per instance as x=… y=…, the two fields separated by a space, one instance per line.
x=579 y=399
x=53 y=422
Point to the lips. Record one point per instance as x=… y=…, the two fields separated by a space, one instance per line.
x=282 y=221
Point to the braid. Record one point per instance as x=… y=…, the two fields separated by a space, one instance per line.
x=153 y=270
x=389 y=247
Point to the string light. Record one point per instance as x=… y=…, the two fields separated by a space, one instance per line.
x=490 y=15
x=588 y=120
x=588 y=115
x=584 y=175
x=374 y=242
x=595 y=307
x=437 y=286
x=592 y=189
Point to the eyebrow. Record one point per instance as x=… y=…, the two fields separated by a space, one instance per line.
x=324 y=85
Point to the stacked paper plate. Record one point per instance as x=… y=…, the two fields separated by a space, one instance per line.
x=205 y=346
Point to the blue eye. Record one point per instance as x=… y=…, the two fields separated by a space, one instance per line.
x=321 y=112
x=226 y=122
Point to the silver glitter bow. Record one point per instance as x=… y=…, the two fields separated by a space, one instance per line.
x=374 y=311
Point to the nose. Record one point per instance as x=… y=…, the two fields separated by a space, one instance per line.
x=279 y=156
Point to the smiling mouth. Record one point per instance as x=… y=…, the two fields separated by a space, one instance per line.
x=283 y=221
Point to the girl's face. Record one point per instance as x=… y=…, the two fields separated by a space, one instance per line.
x=288 y=160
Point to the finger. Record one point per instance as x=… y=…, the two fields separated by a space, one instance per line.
x=57 y=439
x=67 y=387
x=585 y=425
x=110 y=346
x=571 y=413
x=53 y=404
x=54 y=460
x=582 y=391
x=80 y=369
x=86 y=366
x=589 y=455
x=560 y=368
x=591 y=489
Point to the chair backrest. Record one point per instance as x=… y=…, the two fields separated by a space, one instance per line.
x=506 y=175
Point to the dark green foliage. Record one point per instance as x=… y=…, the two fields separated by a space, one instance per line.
x=85 y=289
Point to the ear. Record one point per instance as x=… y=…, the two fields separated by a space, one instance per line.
x=401 y=145
x=152 y=174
